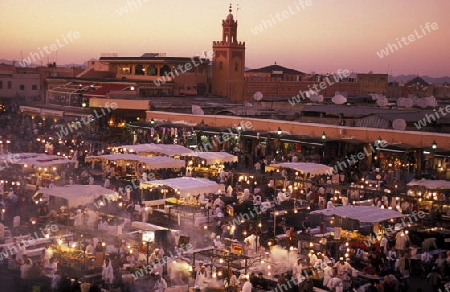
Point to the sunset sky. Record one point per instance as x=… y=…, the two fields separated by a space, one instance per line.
x=326 y=36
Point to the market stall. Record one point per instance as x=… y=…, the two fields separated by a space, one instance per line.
x=303 y=167
x=154 y=149
x=209 y=164
x=73 y=196
x=129 y=166
x=184 y=187
x=429 y=190
x=40 y=169
x=358 y=224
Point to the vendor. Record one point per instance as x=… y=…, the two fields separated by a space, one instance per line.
x=90 y=248
x=218 y=203
x=251 y=241
x=201 y=278
x=327 y=274
x=131 y=260
x=297 y=270
x=342 y=266
x=312 y=258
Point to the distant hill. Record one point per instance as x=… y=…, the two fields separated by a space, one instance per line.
x=405 y=78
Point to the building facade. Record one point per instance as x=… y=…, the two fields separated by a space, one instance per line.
x=162 y=76
x=373 y=83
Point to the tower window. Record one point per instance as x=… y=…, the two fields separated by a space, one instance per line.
x=151 y=70
x=220 y=65
x=165 y=69
x=139 y=70
x=236 y=66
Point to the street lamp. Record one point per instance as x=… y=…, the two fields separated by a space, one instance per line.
x=324 y=137
x=152 y=122
x=379 y=140
x=279 y=131
x=239 y=128
x=434 y=145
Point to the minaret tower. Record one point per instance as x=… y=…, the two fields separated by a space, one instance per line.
x=229 y=62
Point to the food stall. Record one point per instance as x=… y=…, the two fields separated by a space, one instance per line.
x=128 y=166
x=74 y=261
x=303 y=168
x=181 y=191
x=209 y=163
x=39 y=168
x=73 y=196
x=302 y=172
x=171 y=150
x=356 y=224
x=433 y=198
x=431 y=194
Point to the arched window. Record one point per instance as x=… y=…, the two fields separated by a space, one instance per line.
x=139 y=70
x=220 y=65
x=163 y=70
x=151 y=70
x=236 y=66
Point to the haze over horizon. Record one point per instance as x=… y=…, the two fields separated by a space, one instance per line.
x=325 y=36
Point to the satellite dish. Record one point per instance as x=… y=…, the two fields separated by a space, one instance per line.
x=431 y=100
x=339 y=99
x=258 y=96
x=399 y=124
x=422 y=103
x=382 y=101
x=316 y=98
x=196 y=110
x=409 y=103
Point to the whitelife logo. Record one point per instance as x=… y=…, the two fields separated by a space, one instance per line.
x=76 y=125
x=265 y=24
x=33 y=57
x=131 y=5
x=429 y=27
x=183 y=68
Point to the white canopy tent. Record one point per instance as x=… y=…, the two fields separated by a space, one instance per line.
x=160 y=149
x=151 y=162
x=430 y=184
x=77 y=195
x=365 y=214
x=187 y=186
x=35 y=159
x=216 y=157
x=305 y=167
